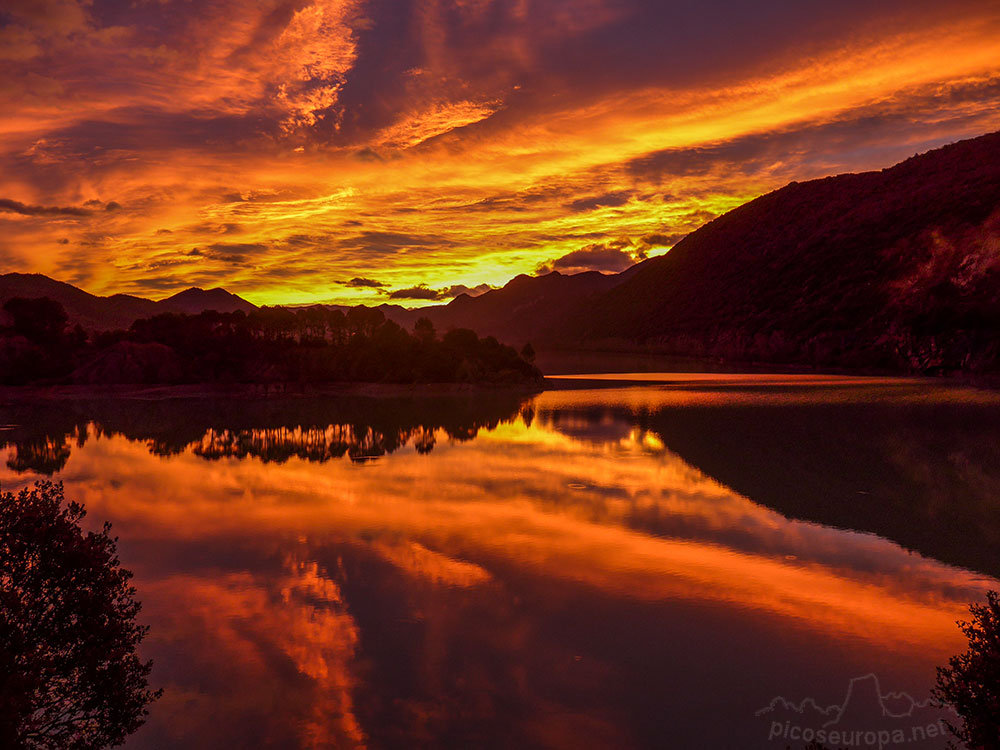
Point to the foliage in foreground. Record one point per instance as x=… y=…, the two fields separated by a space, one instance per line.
x=70 y=677
x=971 y=682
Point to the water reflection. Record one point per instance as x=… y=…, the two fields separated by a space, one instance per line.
x=42 y=435
x=915 y=462
x=598 y=568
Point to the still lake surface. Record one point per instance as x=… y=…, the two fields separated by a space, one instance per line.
x=623 y=561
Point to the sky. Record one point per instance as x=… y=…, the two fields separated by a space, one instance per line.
x=405 y=151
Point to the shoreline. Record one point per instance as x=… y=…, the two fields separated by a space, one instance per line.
x=599 y=378
x=254 y=391
x=642 y=360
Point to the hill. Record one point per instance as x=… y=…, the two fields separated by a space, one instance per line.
x=195 y=300
x=90 y=311
x=403 y=316
x=118 y=311
x=898 y=269
x=527 y=308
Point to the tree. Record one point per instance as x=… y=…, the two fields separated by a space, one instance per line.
x=528 y=352
x=971 y=682
x=462 y=340
x=70 y=677
x=423 y=329
x=363 y=321
x=40 y=320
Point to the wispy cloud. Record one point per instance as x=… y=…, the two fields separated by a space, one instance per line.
x=24 y=209
x=438 y=146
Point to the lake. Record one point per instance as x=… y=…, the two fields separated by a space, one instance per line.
x=645 y=560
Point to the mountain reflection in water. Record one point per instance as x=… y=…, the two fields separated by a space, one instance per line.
x=639 y=566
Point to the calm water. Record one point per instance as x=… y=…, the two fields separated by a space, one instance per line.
x=625 y=561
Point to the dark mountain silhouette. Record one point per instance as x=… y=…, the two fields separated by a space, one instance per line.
x=195 y=300
x=527 y=308
x=118 y=311
x=88 y=310
x=403 y=316
x=898 y=269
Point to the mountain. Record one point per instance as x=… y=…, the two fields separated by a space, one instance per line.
x=192 y=301
x=119 y=310
x=527 y=308
x=898 y=268
x=403 y=316
x=90 y=311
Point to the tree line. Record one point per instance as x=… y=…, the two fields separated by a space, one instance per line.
x=270 y=345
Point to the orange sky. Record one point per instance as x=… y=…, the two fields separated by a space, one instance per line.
x=313 y=150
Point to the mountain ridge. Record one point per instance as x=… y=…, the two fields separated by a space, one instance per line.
x=194 y=300
x=896 y=268
x=511 y=313
x=116 y=311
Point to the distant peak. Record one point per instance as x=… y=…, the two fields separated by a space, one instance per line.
x=196 y=299
x=197 y=291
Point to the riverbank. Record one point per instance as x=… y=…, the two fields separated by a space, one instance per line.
x=554 y=363
x=253 y=391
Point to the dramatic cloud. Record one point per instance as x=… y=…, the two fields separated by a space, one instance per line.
x=438 y=146
x=417 y=292
x=25 y=210
x=422 y=292
x=610 y=258
x=656 y=241
x=360 y=283
x=617 y=198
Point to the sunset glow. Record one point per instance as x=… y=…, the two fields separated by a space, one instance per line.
x=340 y=150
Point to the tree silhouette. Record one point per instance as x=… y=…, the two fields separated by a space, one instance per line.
x=971 y=682
x=270 y=345
x=70 y=677
x=423 y=329
x=40 y=320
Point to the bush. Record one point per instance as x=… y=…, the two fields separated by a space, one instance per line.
x=70 y=677
x=971 y=682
